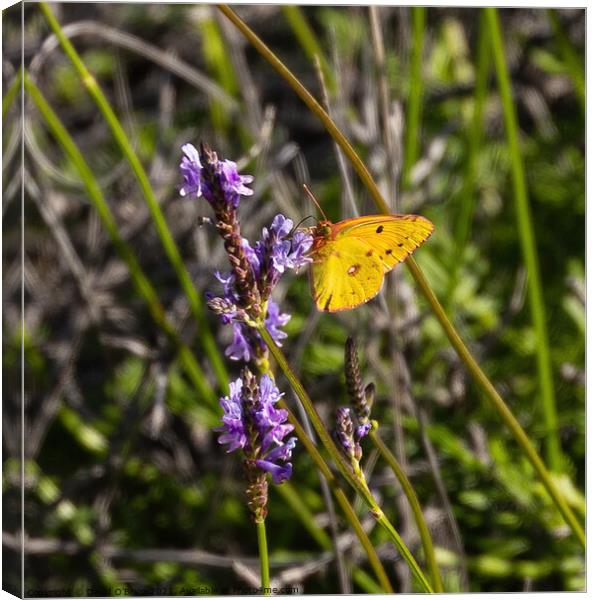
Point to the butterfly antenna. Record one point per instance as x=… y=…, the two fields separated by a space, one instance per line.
x=302 y=220
x=315 y=201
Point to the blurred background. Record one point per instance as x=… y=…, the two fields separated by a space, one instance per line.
x=125 y=483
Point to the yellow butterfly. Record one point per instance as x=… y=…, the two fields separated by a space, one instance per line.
x=350 y=258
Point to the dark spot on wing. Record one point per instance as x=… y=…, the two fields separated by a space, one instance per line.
x=389 y=251
x=379 y=229
x=400 y=244
x=354 y=269
x=370 y=252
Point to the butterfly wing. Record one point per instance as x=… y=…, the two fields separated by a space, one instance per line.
x=348 y=269
x=343 y=276
x=392 y=237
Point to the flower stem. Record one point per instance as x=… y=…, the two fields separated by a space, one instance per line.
x=472 y=366
x=358 y=485
x=263 y=557
x=426 y=538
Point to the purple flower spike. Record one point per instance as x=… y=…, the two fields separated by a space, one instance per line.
x=219 y=183
x=348 y=439
x=252 y=423
x=255 y=269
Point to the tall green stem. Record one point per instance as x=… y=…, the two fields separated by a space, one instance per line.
x=139 y=279
x=339 y=494
x=263 y=557
x=415 y=97
x=528 y=243
x=360 y=487
x=455 y=340
x=172 y=251
x=462 y=228
x=424 y=532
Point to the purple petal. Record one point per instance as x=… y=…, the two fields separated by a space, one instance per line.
x=363 y=430
x=240 y=348
x=279 y=473
x=283 y=452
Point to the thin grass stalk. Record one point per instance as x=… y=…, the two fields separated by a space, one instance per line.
x=456 y=341
x=171 y=249
x=11 y=93
x=424 y=532
x=415 y=98
x=360 y=487
x=263 y=557
x=139 y=279
x=462 y=229
x=339 y=495
x=308 y=40
x=528 y=242
x=571 y=58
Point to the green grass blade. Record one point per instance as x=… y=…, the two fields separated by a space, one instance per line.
x=11 y=93
x=139 y=279
x=171 y=249
x=462 y=229
x=415 y=97
x=528 y=243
